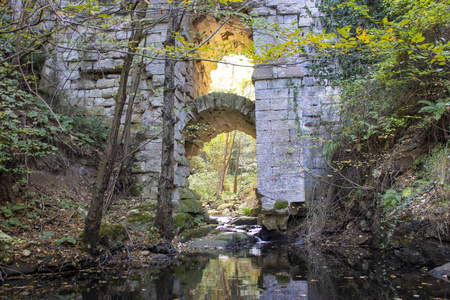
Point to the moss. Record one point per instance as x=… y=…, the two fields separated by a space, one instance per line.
x=140 y=218
x=115 y=234
x=189 y=194
x=281 y=205
x=196 y=233
x=182 y=221
x=191 y=206
x=282 y=279
x=146 y=207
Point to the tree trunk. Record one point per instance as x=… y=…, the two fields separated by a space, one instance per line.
x=236 y=169
x=226 y=164
x=221 y=179
x=164 y=219
x=106 y=165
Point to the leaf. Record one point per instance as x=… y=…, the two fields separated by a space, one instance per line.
x=67 y=239
x=6 y=211
x=418 y=38
x=46 y=235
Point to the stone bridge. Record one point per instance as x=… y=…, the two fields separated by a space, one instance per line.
x=286 y=117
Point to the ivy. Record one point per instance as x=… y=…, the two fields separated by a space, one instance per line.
x=24 y=131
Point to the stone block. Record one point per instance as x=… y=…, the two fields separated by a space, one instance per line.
x=104 y=83
x=109 y=93
x=155 y=68
x=261 y=73
x=289 y=8
x=304 y=21
x=103 y=102
x=288 y=20
x=91 y=56
x=263 y=11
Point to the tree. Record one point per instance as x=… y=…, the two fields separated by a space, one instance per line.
x=164 y=220
x=108 y=160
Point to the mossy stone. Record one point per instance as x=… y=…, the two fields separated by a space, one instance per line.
x=281 y=205
x=196 y=233
x=237 y=239
x=189 y=194
x=191 y=206
x=115 y=234
x=182 y=221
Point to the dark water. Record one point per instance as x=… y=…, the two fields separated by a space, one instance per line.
x=267 y=271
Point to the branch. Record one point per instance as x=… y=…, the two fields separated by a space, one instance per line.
x=38 y=96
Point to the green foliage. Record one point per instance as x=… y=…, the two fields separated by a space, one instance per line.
x=25 y=129
x=246 y=211
x=390 y=199
x=66 y=240
x=10 y=208
x=436 y=110
x=30 y=130
x=437 y=171
x=390 y=54
x=46 y=235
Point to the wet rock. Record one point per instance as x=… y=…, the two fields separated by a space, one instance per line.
x=212 y=221
x=191 y=206
x=271 y=235
x=411 y=256
x=245 y=221
x=214 y=212
x=182 y=222
x=225 y=206
x=196 y=233
x=273 y=221
x=226 y=212
x=442 y=272
x=225 y=240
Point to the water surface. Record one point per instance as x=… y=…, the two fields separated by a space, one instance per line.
x=266 y=271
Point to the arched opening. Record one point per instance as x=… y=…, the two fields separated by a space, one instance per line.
x=220 y=140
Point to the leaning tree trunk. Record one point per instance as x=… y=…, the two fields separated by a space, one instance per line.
x=107 y=162
x=236 y=168
x=164 y=219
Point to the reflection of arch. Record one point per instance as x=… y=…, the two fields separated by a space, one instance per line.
x=213 y=114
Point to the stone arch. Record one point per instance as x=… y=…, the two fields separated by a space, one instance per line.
x=213 y=114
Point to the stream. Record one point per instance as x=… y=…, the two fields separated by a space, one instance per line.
x=266 y=270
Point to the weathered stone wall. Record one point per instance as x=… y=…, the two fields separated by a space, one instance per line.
x=288 y=114
x=88 y=78
x=291 y=112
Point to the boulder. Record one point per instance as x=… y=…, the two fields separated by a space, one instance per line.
x=192 y=206
x=182 y=221
x=225 y=240
x=442 y=272
x=189 y=194
x=196 y=233
x=225 y=206
x=245 y=221
x=273 y=221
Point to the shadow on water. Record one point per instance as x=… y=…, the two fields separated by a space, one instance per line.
x=266 y=271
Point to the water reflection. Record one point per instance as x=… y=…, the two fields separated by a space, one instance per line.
x=271 y=271
x=268 y=271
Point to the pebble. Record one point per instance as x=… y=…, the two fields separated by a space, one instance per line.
x=26 y=253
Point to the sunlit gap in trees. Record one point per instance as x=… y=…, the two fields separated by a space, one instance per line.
x=225 y=168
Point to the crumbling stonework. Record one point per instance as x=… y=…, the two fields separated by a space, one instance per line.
x=287 y=117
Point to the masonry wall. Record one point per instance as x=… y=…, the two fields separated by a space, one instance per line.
x=292 y=110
